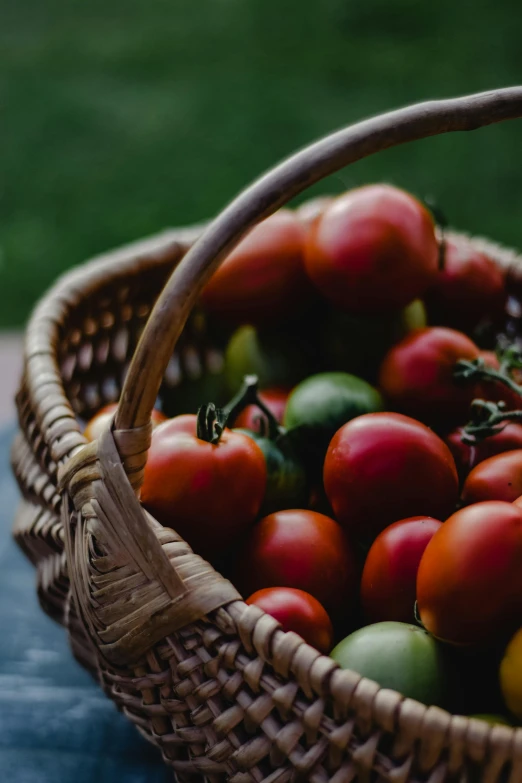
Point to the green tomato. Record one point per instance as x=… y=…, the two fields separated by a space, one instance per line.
x=321 y=404
x=286 y=483
x=278 y=358
x=398 y=656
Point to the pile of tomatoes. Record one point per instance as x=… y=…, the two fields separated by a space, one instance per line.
x=329 y=467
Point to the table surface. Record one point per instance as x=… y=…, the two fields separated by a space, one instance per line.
x=56 y=726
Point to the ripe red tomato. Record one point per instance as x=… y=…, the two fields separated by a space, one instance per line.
x=208 y=493
x=263 y=278
x=301 y=549
x=274 y=399
x=388 y=585
x=467 y=457
x=496 y=478
x=469 y=583
x=469 y=289
x=416 y=375
x=299 y=612
x=372 y=249
x=100 y=420
x=382 y=467
x=184 y=423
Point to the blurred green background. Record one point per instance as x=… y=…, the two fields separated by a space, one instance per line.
x=122 y=117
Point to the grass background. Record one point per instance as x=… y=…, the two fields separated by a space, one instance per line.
x=121 y=117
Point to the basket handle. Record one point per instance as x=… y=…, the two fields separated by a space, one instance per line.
x=262 y=198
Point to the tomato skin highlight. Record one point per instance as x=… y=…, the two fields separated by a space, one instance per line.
x=383 y=467
x=297 y=611
x=469 y=583
x=263 y=278
x=372 y=249
x=98 y=423
x=416 y=375
x=470 y=287
x=208 y=493
x=274 y=399
x=301 y=549
x=468 y=457
x=496 y=478
x=388 y=585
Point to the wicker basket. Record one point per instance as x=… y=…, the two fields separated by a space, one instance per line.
x=214 y=684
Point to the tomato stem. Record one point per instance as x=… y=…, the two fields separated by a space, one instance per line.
x=477 y=370
x=211 y=422
x=487 y=419
x=248 y=395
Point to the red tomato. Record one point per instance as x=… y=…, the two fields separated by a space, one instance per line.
x=301 y=549
x=381 y=467
x=416 y=375
x=208 y=493
x=372 y=249
x=99 y=422
x=496 y=478
x=263 y=278
x=186 y=423
x=467 y=457
x=388 y=585
x=469 y=583
x=468 y=289
x=299 y=612
x=274 y=399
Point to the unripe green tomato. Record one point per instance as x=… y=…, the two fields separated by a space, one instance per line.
x=286 y=484
x=328 y=400
x=398 y=656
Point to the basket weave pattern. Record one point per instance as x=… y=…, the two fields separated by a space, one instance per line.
x=216 y=685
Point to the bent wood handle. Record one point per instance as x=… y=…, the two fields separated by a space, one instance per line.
x=269 y=193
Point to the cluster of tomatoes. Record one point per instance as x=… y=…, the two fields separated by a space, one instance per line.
x=333 y=474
